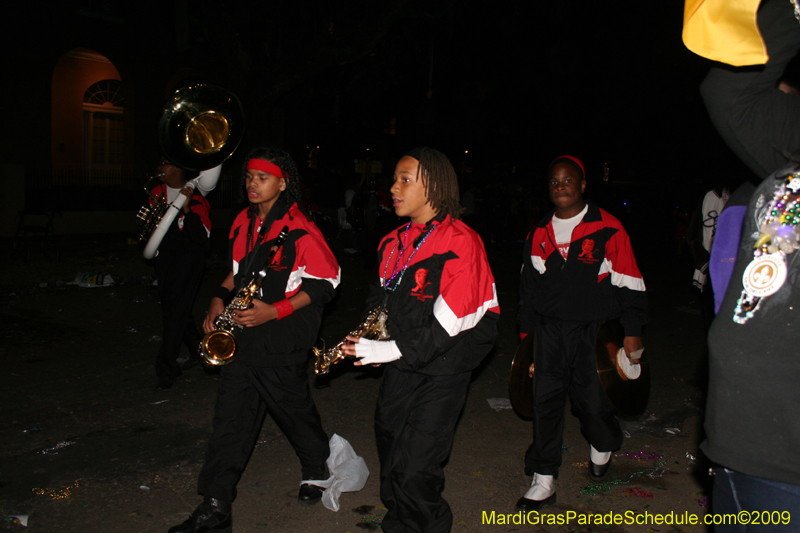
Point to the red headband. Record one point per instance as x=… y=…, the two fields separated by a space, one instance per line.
x=266 y=166
x=575 y=159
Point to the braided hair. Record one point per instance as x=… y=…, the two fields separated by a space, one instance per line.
x=440 y=181
x=284 y=161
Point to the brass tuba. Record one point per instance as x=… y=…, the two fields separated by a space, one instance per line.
x=200 y=127
x=218 y=347
x=374 y=327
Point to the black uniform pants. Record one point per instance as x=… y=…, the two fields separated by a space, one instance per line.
x=246 y=394
x=564 y=355
x=415 y=422
x=179 y=277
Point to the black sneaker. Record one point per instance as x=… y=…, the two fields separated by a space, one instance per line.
x=212 y=515
x=309 y=494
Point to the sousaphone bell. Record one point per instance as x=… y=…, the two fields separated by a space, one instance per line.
x=200 y=126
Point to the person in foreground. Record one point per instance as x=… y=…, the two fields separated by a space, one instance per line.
x=751 y=423
x=578 y=271
x=752 y=429
x=434 y=279
x=269 y=372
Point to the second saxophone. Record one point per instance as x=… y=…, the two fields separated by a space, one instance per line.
x=374 y=327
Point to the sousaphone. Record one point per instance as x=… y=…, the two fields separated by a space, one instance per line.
x=628 y=394
x=201 y=125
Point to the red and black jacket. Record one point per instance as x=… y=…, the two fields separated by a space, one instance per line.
x=599 y=279
x=304 y=263
x=444 y=311
x=189 y=232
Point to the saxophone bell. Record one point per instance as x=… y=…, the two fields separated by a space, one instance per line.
x=218 y=348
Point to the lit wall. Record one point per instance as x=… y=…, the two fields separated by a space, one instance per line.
x=75 y=72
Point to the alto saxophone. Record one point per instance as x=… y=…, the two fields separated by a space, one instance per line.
x=218 y=347
x=150 y=215
x=374 y=327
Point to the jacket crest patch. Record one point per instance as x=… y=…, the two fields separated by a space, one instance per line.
x=588 y=251
x=277 y=260
x=421 y=277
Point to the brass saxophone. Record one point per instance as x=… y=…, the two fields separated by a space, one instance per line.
x=374 y=327
x=151 y=215
x=218 y=347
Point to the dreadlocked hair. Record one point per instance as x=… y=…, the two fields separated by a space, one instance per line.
x=440 y=181
x=284 y=161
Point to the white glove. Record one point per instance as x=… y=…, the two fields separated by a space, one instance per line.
x=371 y=352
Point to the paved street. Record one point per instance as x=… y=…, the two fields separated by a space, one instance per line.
x=83 y=420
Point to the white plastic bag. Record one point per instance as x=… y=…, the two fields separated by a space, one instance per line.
x=348 y=471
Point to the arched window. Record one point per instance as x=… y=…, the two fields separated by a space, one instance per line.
x=102 y=126
x=104 y=91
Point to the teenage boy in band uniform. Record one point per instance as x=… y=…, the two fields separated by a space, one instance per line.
x=435 y=280
x=578 y=271
x=269 y=372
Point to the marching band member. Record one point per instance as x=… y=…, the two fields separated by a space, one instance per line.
x=269 y=374
x=578 y=271
x=179 y=270
x=434 y=279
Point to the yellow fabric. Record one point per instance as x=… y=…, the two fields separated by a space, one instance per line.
x=724 y=30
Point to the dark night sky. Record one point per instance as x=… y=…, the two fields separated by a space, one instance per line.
x=517 y=83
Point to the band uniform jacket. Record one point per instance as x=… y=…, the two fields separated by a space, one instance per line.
x=444 y=312
x=599 y=280
x=304 y=263
x=189 y=232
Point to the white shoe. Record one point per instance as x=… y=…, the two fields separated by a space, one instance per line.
x=599 y=464
x=541 y=493
x=542 y=487
x=599 y=458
